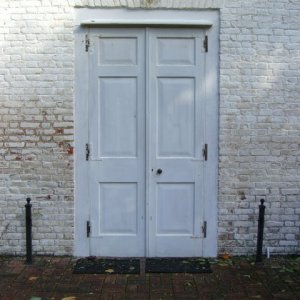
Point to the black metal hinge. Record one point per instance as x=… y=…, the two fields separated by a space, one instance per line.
x=87 y=151
x=204 y=229
x=205 y=151
x=87 y=43
x=205 y=43
x=88 y=228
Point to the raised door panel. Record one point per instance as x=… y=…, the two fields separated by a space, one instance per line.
x=117 y=114
x=118 y=51
x=176 y=117
x=175 y=208
x=175 y=51
x=117 y=209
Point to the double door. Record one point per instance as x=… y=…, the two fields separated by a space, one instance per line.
x=146 y=137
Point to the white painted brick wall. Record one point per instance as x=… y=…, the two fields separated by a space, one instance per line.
x=36 y=123
x=259 y=124
x=259 y=120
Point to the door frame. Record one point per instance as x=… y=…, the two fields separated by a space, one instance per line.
x=86 y=18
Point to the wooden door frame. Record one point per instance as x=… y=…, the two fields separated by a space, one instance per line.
x=86 y=18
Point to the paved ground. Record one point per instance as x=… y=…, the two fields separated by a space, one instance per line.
x=237 y=278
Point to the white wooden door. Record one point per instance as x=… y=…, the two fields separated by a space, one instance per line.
x=146 y=134
x=117 y=142
x=176 y=139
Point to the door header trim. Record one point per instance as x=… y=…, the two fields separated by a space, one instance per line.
x=149 y=22
x=85 y=17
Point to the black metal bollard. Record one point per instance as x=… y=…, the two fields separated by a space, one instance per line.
x=260 y=231
x=28 y=232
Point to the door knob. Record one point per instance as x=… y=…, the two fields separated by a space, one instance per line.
x=159 y=171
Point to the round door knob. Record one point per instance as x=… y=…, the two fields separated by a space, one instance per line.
x=159 y=171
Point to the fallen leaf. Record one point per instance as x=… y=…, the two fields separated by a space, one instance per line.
x=33 y=278
x=109 y=271
x=69 y=298
x=224 y=256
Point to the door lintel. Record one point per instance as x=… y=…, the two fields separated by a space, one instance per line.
x=149 y=22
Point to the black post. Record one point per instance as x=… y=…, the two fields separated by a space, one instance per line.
x=260 y=231
x=28 y=232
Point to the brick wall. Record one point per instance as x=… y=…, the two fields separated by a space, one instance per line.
x=259 y=120
x=36 y=124
x=259 y=124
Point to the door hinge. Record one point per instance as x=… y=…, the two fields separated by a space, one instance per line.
x=204 y=229
x=205 y=43
x=88 y=228
x=87 y=151
x=205 y=151
x=87 y=43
